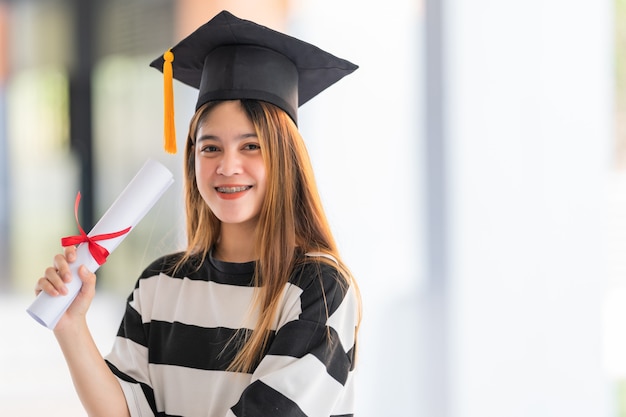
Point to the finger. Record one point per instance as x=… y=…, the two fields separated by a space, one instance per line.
x=54 y=277
x=88 y=279
x=39 y=286
x=62 y=268
x=51 y=283
x=70 y=253
x=86 y=276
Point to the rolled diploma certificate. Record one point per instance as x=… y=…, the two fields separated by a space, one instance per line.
x=129 y=208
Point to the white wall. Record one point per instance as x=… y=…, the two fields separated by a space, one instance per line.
x=364 y=138
x=528 y=137
x=530 y=131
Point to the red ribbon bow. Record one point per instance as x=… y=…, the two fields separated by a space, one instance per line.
x=98 y=252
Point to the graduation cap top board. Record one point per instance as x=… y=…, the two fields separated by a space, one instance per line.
x=229 y=58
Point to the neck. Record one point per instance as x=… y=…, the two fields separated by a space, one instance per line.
x=236 y=244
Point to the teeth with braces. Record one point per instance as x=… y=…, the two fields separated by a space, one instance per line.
x=230 y=190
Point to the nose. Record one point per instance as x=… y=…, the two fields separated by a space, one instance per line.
x=229 y=164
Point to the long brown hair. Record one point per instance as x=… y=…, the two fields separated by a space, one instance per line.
x=292 y=221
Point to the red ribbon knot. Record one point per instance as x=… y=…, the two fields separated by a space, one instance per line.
x=98 y=252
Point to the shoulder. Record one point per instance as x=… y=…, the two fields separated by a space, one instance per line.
x=319 y=279
x=310 y=270
x=170 y=265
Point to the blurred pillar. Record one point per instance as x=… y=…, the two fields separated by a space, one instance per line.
x=190 y=14
x=436 y=302
x=5 y=280
x=529 y=125
x=81 y=135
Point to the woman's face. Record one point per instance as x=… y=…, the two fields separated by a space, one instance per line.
x=230 y=171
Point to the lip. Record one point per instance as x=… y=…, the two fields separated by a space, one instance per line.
x=232 y=191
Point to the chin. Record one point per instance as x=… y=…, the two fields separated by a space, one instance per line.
x=242 y=220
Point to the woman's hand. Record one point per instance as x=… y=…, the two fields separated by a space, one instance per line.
x=54 y=283
x=97 y=387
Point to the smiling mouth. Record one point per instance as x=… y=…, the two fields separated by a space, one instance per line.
x=232 y=190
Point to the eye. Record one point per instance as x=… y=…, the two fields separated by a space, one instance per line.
x=252 y=146
x=209 y=148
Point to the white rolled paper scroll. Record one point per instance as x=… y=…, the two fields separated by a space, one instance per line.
x=129 y=208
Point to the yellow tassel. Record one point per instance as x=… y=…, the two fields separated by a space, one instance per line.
x=168 y=103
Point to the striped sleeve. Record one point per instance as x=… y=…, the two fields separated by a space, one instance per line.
x=130 y=347
x=307 y=370
x=130 y=351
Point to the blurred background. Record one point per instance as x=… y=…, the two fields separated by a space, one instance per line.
x=473 y=169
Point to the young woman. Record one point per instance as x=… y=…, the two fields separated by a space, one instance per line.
x=259 y=315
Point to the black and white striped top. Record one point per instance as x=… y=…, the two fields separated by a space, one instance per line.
x=180 y=333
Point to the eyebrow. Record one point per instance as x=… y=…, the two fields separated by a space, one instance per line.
x=243 y=136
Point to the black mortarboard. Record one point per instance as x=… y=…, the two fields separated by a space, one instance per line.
x=229 y=58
